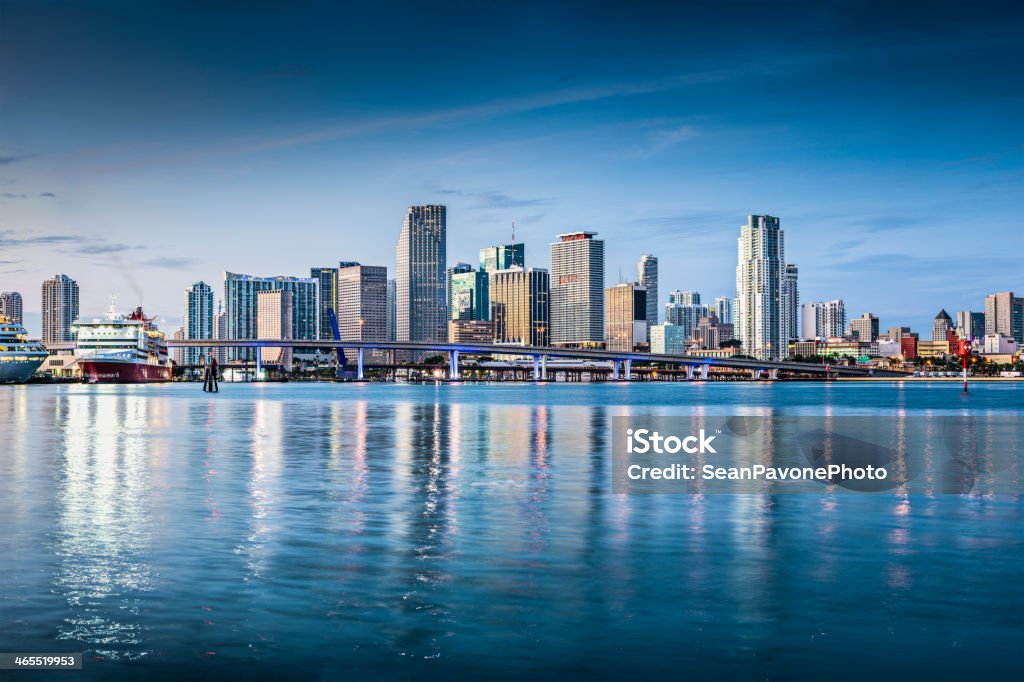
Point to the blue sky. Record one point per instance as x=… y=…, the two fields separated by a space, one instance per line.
x=147 y=145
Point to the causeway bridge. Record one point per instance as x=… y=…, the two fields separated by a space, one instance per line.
x=621 y=361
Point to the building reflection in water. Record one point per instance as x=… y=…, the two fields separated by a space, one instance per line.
x=104 y=526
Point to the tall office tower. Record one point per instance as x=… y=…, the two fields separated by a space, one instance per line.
x=240 y=307
x=457 y=269
x=327 y=283
x=363 y=303
x=520 y=306
x=392 y=330
x=791 y=304
x=198 y=319
x=865 y=328
x=823 y=320
x=684 y=311
x=723 y=309
x=625 y=313
x=970 y=325
x=275 y=311
x=470 y=298
x=760 y=272
x=60 y=308
x=577 y=290
x=494 y=258
x=11 y=307
x=220 y=331
x=178 y=353
x=942 y=326
x=421 y=312
x=647 y=277
x=1004 y=314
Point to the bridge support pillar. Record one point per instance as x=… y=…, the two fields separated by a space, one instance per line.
x=536 y=368
x=359 y=365
x=689 y=372
x=453 y=365
x=773 y=374
x=259 y=364
x=629 y=371
x=755 y=374
x=615 y=369
x=704 y=372
x=543 y=368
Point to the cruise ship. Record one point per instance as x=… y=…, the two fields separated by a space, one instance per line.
x=19 y=357
x=122 y=349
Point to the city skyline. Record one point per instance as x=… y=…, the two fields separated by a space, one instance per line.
x=879 y=153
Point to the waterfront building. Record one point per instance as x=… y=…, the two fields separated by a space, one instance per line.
x=363 y=304
x=625 y=317
x=669 y=339
x=1004 y=314
x=275 y=318
x=684 y=310
x=421 y=311
x=60 y=309
x=760 y=272
x=392 y=329
x=457 y=269
x=240 y=307
x=790 y=303
x=520 y=306
x=823 y=319
x=970 y=325
x=327 y=284
x=678 y=297
x=647 y=277
x=197 y=321
x=942 y=326
x=504 y=257
x=577 y=290
x=178 y=353
x=11 y=307
x=853 y=348
x=932 y=349
x=998 y=344
x=468 y=330
x=710 y=332
x=469 y=297
x=865 y=327
x=220 y=331
x=723 y=309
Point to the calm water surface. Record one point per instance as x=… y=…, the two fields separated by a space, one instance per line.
x=329 y=531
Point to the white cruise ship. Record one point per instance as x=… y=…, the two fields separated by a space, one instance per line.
x=19 y=357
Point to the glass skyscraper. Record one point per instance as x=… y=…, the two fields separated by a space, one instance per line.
x=421 y=311
x=198 y=319
x=60 y=308
x=241 y=308
x=647 y=277
x=760 y=271
x=577 y=290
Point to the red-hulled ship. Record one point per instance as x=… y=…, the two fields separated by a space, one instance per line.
x=122 y=349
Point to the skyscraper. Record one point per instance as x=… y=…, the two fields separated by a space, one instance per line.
x=392 y=329
x=240 y=307
x=275 y=312
x=469 y=297
x=327 y=282
x=494 y=258
x=865 y=327
x=60 y=308
x=684 y=310
x=11 y=307
x=625 y=313
x=197 y=321
x=760 y=271
x=942 y=326
x=1004 y=314
x=421 y=312
x=220 y=331
x=823 y=320
x=457 y=269
x=577 y=290
x=363 y=303
x=970 y=325
x=723 y=309
x=791 y=304
x=520 y=306
x=647 y=277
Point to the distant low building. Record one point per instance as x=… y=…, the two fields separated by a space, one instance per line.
x=997 y=344
x=669 y=339
x=471 y=331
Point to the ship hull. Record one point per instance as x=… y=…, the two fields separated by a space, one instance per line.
x=113 y=372
x=18 y=372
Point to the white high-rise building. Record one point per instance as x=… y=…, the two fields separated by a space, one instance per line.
x=11 y=307
x=823 y=320
x=684 y=311
x=791 y=303
x=197 y=321
x=647 y=277
x=723 y=309
x=760 y=271
x=577 y=290
x=240 y=307
x=60 y=308
x=220 y=331
x=421 y=311
x=275 y=309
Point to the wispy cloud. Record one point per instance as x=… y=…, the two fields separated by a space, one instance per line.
x=492 y=199
x=24 y=195
x=9 y=239
x=171 y=262
x=664 y=139
x=102 y=249
x=8 y=159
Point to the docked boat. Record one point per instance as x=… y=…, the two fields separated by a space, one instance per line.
x=122 y=349
x=19 y=357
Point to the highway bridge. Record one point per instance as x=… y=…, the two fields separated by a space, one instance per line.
x=621 y=361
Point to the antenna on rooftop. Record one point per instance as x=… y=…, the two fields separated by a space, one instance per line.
x=513 y=232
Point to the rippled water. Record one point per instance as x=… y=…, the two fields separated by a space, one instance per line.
x=320 y=531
